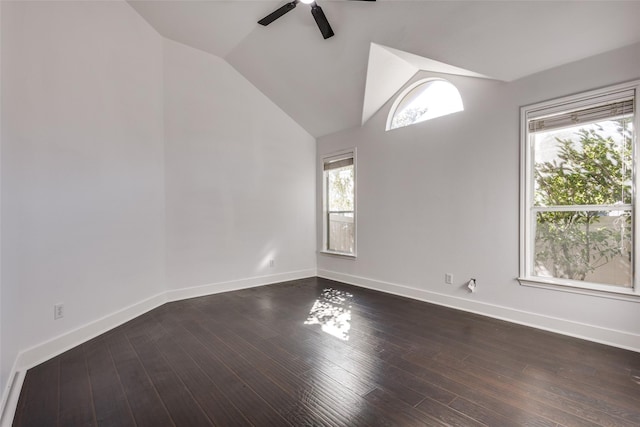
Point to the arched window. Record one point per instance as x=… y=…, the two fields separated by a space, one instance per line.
x=424 y=100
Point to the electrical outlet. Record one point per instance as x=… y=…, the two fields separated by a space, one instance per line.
x=272 y=263
x=448 y=278
x=58 y=311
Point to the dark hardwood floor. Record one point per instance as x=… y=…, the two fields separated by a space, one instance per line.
x=261 y=357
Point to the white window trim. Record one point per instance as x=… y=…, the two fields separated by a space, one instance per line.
x=526 y=188
x=337 y=155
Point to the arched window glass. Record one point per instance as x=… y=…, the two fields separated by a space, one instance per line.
x=424 y=100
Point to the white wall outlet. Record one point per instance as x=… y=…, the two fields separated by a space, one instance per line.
x=58 y=311
x=448 y=278
x=272 y=263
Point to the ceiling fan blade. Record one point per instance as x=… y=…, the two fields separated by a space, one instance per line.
x=278 y=13
x=321 y=20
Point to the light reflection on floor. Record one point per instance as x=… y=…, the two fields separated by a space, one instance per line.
x=332 y=311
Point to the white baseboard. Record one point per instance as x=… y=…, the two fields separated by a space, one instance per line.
x=10 y=397
x=37 y=354
x=234 y=285
x=44 y=351
x=615 y=338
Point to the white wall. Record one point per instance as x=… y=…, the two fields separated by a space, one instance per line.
x=240 y=177
x=134 y=171
x=3 y=376
x=82 y=167
x=450 y=186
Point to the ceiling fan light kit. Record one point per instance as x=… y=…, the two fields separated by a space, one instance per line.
x=316 y=11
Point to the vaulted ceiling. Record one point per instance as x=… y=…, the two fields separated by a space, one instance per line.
x=321 y=83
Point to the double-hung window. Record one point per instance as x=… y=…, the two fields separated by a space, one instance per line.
x=578 y=213
x=339 y=203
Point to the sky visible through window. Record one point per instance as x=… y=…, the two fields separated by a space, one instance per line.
x=431 y=99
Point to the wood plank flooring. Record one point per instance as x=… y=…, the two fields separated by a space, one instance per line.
x=315 y=352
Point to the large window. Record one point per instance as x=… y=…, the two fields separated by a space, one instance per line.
x=339 y=182
x=578 y=202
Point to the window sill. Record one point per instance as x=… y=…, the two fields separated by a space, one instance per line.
x=598 y=291
x=339 y=254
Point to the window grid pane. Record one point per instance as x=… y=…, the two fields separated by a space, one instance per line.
x=341 y=232
x=584 y=165
x=591 y=246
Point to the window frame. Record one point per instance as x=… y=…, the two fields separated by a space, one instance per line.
x=332 y=157
x=527 y=214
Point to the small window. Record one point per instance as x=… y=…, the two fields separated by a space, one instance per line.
x=424 y=100
x=578 y=191
x=339 y=181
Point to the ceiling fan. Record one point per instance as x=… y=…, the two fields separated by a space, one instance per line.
x=316 y=11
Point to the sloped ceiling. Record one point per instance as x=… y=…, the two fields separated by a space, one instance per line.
x=321 y=83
